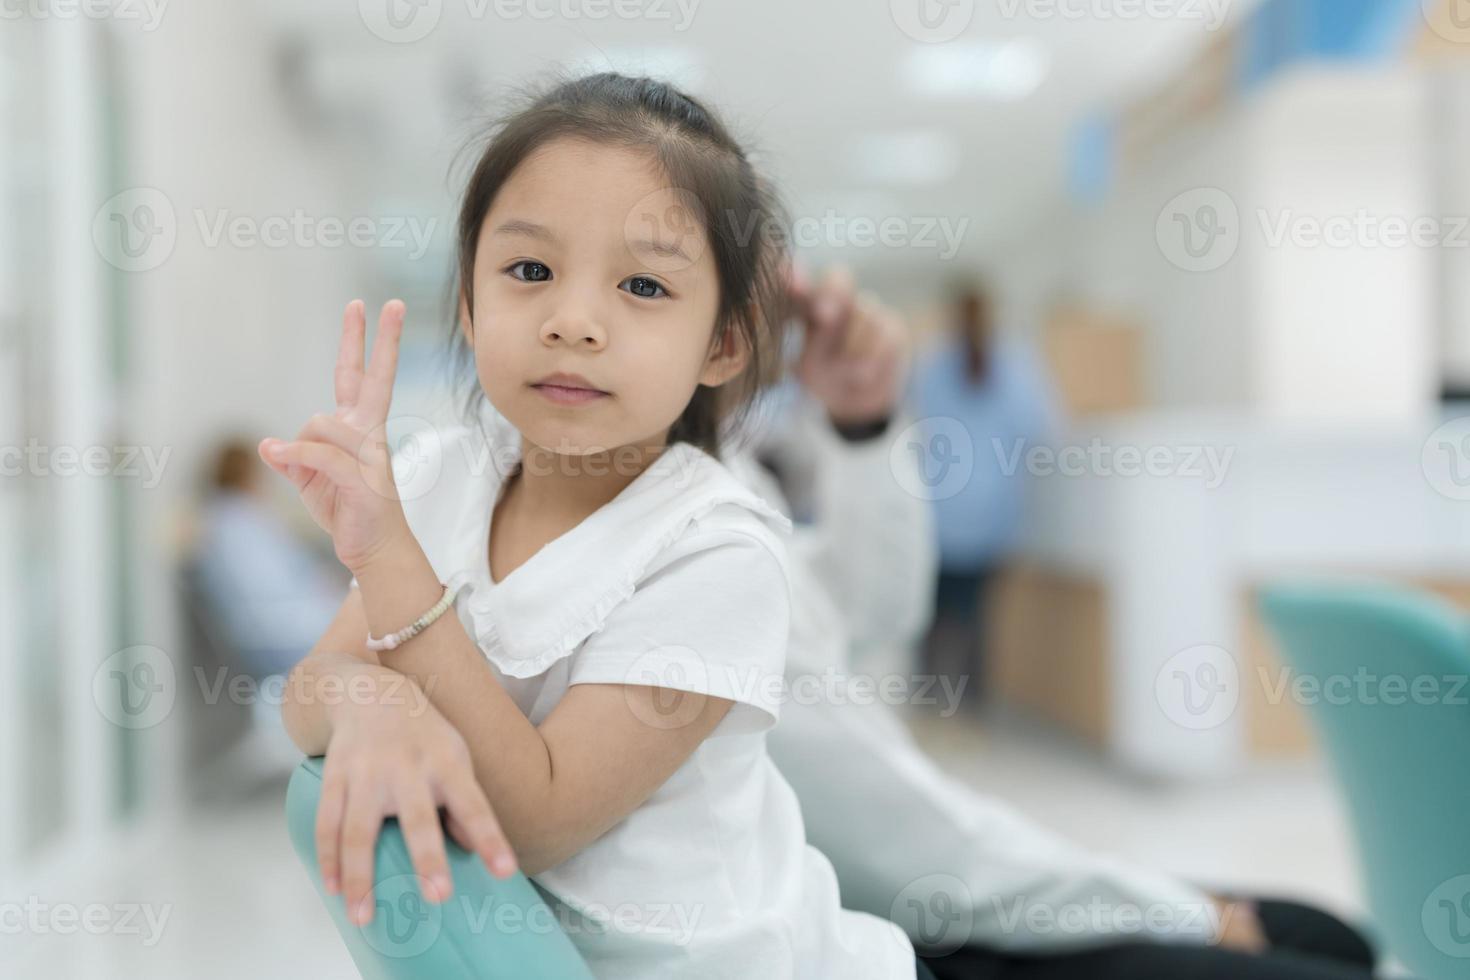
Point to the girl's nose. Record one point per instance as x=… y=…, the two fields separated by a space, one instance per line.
x=573 y=330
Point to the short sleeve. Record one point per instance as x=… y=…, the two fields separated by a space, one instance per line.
x=711 y=616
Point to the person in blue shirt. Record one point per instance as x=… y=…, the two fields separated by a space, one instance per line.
x=983 y=401
x=272 y=595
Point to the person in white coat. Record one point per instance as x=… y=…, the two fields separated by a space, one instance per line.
x=984 y=890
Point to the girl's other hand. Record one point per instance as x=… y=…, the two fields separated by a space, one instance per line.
x=340 y=464
x=396 y=756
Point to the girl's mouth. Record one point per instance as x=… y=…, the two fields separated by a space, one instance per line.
x=566 y=395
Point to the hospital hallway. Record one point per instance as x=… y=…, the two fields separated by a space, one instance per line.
x=1094 y=373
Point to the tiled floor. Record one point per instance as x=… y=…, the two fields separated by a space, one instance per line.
x=239 y=908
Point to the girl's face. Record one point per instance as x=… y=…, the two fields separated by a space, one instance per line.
x=589 y=264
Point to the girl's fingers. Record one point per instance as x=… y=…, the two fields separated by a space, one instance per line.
x=834 y=297
x=466 y=801
x=798 y=285
x=831 y=317
x=298 y=476
x=334 y=432
x=359 y=839
x=419 y=818
x=329 y=827
x=377 y=389
x=859 y=336
x=342 y=469
x=348 y=378
x=457 y=833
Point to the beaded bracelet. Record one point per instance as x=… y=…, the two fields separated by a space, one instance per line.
x=394 y=640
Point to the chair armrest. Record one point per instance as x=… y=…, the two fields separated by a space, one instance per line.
x=489 y=928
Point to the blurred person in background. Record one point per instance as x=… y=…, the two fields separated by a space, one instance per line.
x=965 y=874
x=271 y=594
x=997 y=391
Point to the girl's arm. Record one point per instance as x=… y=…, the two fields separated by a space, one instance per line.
x=371 y=721
x=606 y=759
x=599 y=754
x=309 y=702
x=560 y=787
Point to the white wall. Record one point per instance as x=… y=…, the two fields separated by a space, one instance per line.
x=1452 y=137
x=1286 y=332
x=219 y=337
x=1107 y=256
x=1345 y=332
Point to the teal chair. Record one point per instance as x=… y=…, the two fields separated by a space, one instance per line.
x=1402 y=756
x=494 y=928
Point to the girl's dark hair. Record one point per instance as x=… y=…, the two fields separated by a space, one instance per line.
x=741 y=215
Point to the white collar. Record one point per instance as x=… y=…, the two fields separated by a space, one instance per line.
x=545 y=608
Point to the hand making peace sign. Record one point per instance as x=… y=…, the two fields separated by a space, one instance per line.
x=340 y=463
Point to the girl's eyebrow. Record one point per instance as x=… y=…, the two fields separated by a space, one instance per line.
x=530 y=229
x=519 y=226
x=662 y=250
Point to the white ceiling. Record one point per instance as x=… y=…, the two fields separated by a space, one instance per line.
x=811 y=82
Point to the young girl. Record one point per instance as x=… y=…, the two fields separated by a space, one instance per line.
x=620 y=601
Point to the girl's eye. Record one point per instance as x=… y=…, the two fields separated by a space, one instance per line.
x=645 y=287
x=535 y=271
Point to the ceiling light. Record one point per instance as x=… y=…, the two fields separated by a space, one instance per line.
x=1007 y=70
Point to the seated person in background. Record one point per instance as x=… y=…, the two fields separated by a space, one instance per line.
x=273 y=597
x=984 y=892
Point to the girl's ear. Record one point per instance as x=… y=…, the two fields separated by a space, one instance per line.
x=726 y=360
x=465 y=326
